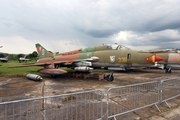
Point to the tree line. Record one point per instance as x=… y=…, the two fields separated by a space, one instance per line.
x=31 y=56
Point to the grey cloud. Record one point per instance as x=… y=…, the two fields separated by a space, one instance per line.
x=161 y=39
x=174 y=25
x=160 y=24
x=7 y=24
x=101 y=33
x=90 y=22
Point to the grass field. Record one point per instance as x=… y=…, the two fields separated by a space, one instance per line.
x=23 y=71
x=17 y=72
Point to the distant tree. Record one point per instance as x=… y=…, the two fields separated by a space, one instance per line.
x=1 y=55
x=15 y=57
x=20 y=55
x=5 y=54
x=34 y=54
x=10 y=56
x=28 y=56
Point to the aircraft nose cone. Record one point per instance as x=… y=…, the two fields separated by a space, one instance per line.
x=158 y=58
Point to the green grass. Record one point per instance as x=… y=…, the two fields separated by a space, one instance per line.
x=17 y=72
x=23 y=71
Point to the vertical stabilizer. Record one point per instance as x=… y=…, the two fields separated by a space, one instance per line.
x=42 y=52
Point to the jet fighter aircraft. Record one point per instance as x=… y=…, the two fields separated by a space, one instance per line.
x=5 y=59
x=23 y=59
x=110 y=56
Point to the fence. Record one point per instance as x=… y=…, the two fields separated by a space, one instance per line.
x=79 y=106
x=170 y=88
x=88 y=105
x=121 y=100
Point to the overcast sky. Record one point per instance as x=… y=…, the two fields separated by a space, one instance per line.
x=64 y=25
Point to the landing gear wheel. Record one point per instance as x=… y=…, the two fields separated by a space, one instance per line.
x=56 y=66
x=54 y=76
x=110 y=78
x=168 y=70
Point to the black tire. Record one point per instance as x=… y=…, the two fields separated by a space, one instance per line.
x=166 y=71
x=54 y=76
x=110 y=78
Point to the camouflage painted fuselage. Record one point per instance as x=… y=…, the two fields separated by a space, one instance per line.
x=108 y=57
x=112 y=57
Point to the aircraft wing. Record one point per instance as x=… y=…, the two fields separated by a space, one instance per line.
x=158 y=51
x=92 y=59
x=48 y=63
x=36 y=64
x=154 y=51
x=63 y=62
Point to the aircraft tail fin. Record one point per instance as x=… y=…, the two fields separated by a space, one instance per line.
x=42 y=52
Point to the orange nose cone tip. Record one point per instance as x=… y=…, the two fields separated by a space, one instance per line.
x=158 y=58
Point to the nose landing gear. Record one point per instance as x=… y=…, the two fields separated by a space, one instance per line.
x=168 y=70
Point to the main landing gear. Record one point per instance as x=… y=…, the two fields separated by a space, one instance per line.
x=110 y=77
x=168 y=70
x=54 y=76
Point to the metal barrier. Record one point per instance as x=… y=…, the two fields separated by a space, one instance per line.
x=170 y=88
x=78 y=106
x=88 y=105
x=125 y=99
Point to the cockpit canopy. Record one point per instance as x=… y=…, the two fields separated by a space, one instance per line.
x=116 y=47
x=104 y=47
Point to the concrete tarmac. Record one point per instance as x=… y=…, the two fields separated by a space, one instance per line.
x=22 y=88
